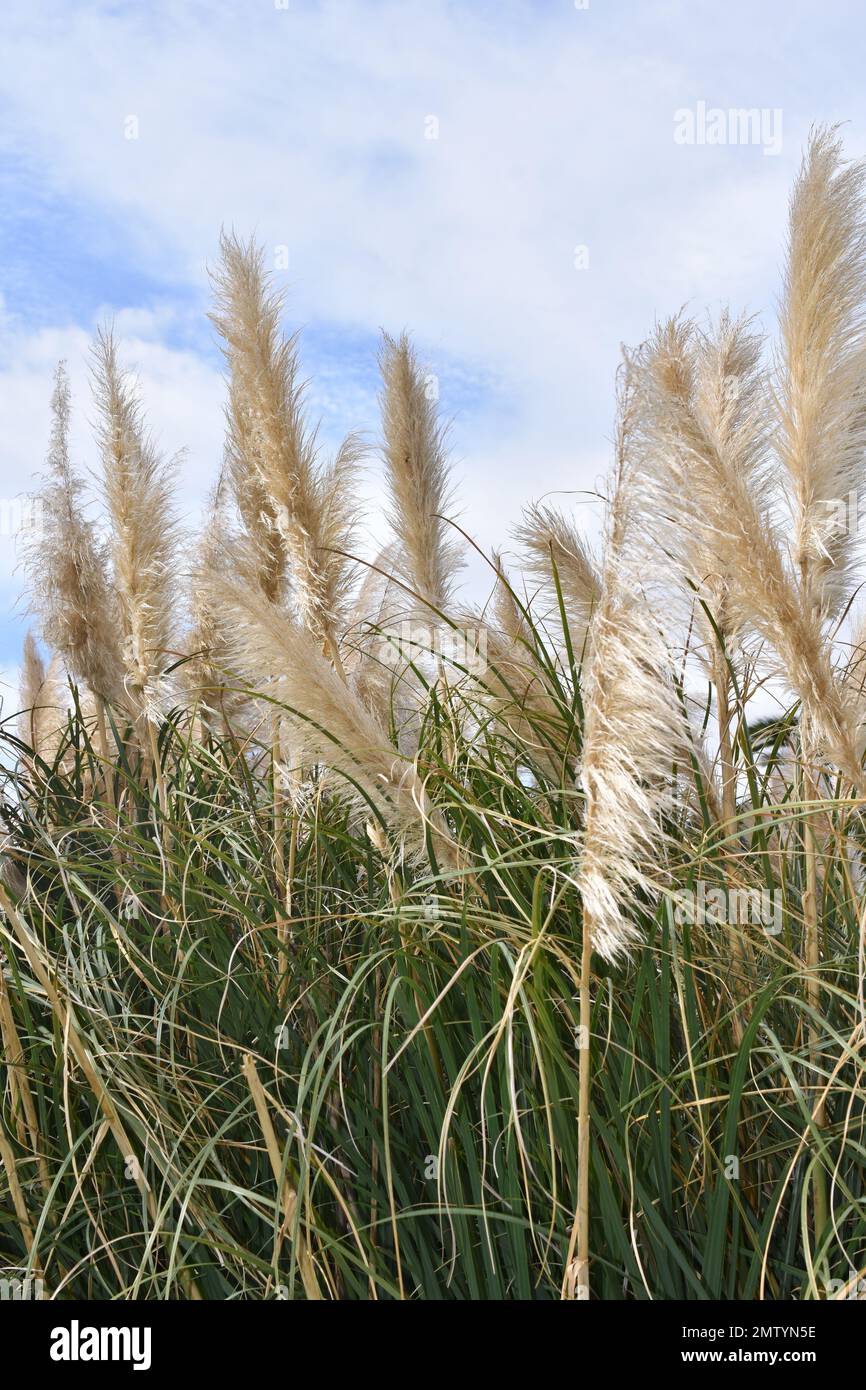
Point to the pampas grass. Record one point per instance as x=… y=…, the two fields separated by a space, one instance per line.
x=820 y=372
x=210 y=638
x=330 y=725
x=631 y=736
x=558 y=556
x=417 y=473
x=632 y=730
x=139 y=501
x=67 y=569
x=31 y=682
x=43 y=702
x=708 y=491
x=279 y=481
x=423 y=974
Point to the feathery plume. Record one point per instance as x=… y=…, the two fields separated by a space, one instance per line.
x=338 y=512
x=32 y=680
x=67 y=569
x=510 y=620
x=376 y=613
x=510 y=683
x=381 y=597
x=513 y=690
x=329 y=723
x=553 y=545
x=730 y=405
x=43 y=702
x=855 y=666
x=632 y=731
x=209 y=638
x=263 y=543
x=384 y=646
x=417 y=473
x=704 y=486
x=632 y=723
x=32 y=673
x=822 y=370
x=138 y=493
x=273 y=450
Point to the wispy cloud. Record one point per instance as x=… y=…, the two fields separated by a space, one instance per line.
x=502 y=179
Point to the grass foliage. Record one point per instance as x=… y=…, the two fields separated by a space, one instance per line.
x=306 y=958
x=418 y=1061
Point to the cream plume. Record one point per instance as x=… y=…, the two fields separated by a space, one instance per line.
x=67 y=569
x=42 y=720
x=633 y=728
x=209 y=639
x=138 y=494
x=556 y=551
x=707 y=491
x=417 y=473
x=263 y=543
x=511 y=683
x=329 y=723
x=821 y=378
x=274 y=452
x=377 y=613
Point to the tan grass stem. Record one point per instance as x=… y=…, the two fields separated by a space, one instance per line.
x=23 y=1106
x=69 y=1030
x=288 y=1197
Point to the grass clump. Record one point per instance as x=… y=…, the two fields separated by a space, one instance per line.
x=359 y=945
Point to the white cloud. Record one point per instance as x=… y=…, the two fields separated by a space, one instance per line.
x=308 y=125
x=183 y=394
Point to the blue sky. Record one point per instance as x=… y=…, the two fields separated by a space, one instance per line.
x=310 y=125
